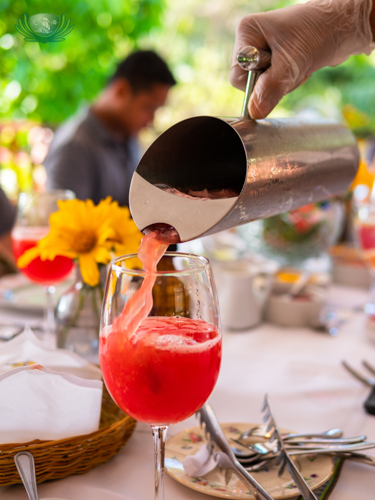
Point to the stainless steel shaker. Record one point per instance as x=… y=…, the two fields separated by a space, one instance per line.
x=258 y=168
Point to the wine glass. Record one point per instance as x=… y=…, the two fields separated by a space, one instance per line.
x=364 y=225
x=32 y=224
x=162 y=370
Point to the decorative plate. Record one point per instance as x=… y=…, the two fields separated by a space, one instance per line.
x=316 y=469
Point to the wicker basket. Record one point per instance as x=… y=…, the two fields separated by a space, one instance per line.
x=76 y=455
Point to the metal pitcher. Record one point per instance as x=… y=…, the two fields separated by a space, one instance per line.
x=258 y=168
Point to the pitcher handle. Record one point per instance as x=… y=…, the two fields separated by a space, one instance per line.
x=254 y=61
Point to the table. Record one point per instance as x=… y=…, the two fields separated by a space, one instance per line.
x=309 y=390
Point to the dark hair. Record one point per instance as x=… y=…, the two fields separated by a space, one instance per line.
x=143 y=69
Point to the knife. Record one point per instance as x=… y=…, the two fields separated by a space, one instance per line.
x=284 y=458
x=226 y=456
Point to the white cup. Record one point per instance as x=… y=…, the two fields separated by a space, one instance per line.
x=243 y=288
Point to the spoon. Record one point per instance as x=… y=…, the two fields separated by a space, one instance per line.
x=26 y=469
x=258 y=432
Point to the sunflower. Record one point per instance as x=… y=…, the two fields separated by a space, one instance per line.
x=127 y=237
x=79 y=230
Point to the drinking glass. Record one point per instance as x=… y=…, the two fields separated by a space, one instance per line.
x=32 y=224
x=162 y=370
x=364 y=225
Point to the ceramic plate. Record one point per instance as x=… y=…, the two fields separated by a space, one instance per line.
x=19 y=293
x=316 y=469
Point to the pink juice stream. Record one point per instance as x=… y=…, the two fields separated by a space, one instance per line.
x=160 y=370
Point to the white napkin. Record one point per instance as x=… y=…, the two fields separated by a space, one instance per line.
x=201 y=463
x=27 y=348
x=37 y=403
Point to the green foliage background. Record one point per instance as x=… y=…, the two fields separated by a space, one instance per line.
x=48 y=82
x=55 y=78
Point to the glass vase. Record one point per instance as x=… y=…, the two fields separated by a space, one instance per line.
x=77 y=317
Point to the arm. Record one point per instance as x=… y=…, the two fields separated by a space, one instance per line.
x=302 y=39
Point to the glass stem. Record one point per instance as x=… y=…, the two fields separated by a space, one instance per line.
x=49 y=334
x=159 y=433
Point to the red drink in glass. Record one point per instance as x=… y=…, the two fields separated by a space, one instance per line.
x=45 y=272
x=165 y=371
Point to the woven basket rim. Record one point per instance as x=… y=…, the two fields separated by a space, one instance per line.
x=37 y=443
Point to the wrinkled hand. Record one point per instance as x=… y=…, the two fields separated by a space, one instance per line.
x=302 y=39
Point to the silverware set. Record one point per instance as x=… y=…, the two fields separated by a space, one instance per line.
x=245 y=455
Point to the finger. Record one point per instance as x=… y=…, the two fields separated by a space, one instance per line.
x=267 y=93
x=280 y=78
x=248 y=33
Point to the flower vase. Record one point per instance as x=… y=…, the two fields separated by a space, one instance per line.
x=77 y=317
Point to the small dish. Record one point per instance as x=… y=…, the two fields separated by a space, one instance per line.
x=348 y=268
x=316 y=469
x=286 y=277
x=297 y=311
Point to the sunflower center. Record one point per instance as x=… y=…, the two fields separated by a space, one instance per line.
x=84 y=242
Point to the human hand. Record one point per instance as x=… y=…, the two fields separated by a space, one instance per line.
x=302 y=39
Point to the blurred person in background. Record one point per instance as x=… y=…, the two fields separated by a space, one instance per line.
x=302 y=39
x=7 y=220
x=96 y=152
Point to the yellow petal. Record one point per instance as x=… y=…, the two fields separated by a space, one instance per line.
x=101 y=254
x=89 y=269
x=28 y=256
x=105 y=233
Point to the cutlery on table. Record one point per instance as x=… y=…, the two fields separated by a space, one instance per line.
x=330 y=450
x=226 y=457
x=369 y=404
x=261 y=431
x=283 y=458
x=357 y=457
x=262 y=447
x=26 y=469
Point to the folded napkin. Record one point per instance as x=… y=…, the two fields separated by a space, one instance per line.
x=26 y=349
x=37 y=403
x=201 y=463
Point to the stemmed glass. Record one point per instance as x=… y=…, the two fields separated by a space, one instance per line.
x=364 y=225
x=163 y=370
x=32 y=224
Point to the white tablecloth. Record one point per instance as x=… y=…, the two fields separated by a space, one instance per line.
x=309 y=390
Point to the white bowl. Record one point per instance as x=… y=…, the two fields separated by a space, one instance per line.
x=292 y=311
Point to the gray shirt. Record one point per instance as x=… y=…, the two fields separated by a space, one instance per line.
x=7 y=214
x=86 y=158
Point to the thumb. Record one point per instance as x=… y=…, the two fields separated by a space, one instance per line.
x=267 y=93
